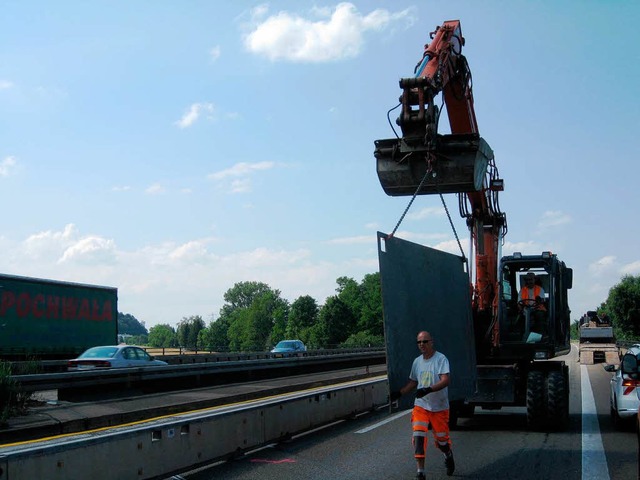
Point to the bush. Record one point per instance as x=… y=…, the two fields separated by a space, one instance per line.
x=7 y=386
x=362 y=340
x=13 y=401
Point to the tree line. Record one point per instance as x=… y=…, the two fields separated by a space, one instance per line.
x=622 y=306
x=255 y=317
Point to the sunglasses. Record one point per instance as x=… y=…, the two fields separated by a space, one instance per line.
x=423 y=341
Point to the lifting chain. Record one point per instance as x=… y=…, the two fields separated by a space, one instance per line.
x=429 y=159
x=424 y=179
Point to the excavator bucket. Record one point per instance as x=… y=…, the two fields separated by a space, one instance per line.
x=459 y=164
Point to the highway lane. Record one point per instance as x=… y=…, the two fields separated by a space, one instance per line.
x=491 y=445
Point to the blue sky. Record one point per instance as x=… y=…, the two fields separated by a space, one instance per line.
x=172 y=149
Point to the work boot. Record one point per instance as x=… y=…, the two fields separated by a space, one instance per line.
x=420 y=476
x=449 y=463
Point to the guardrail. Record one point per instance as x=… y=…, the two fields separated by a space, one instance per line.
x=182 y=356
x=87 y=385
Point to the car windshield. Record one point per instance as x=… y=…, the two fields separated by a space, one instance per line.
x=99 y=352
x=285 y=344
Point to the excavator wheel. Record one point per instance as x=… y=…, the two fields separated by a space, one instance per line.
x=557 y=401
x=535 y=400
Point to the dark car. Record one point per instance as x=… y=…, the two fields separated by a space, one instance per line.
x=113 y=356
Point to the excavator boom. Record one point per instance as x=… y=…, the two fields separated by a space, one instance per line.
x=424 y=162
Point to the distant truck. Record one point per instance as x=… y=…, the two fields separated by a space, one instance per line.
x=49 y=319
x=597 y=342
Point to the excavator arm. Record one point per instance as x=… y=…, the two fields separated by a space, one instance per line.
x=424 y=162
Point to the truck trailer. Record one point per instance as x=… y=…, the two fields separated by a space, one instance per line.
x=50 y=319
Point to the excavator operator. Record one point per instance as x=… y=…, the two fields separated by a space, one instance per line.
x=532 y=296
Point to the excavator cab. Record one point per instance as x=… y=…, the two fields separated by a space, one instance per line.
x=536 y=326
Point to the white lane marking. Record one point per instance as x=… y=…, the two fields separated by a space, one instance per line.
x=594 y=461
x=387 y=420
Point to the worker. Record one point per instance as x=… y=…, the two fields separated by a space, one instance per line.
x=430 y=373
x=532 y=296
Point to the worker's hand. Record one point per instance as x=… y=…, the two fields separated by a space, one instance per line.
x=423 y=391
x=395 y=396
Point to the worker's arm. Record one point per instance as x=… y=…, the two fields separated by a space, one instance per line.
x=442 y=383
x=410 y=385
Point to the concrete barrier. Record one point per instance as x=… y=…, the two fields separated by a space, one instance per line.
x=158 y=448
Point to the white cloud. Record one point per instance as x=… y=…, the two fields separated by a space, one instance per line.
x=90 y=250
x=5 y=84
x=66 y=246
x=526 y=248
x=425 y=213
x=264 y=257
x=603 y=264
x=164 y=282
x=241 y=169
x=49 y=244
x=452 y=246
x=193 y=251
x=553 y=219
x=7 y=166
x=362 y=239
x=155 y=189
x=242 y=185
x=215 y=53
x=239 y=175
x=193 y=113
x=330 y=35
x=123 y=188
x=631 y=268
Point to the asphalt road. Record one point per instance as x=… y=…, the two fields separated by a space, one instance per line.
x=491 y=445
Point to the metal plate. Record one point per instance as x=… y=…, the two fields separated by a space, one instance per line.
x=426 y=289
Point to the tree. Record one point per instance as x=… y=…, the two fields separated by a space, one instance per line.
x=214 y=337
x=363 y=339
x=370 y=319
x=336 y=322
x=162 y=336
x=302 y=315
x=252 y=327
x=129 y=325
x=241 y=295
x=188 y=330
x=351 y=295
x=623 y=305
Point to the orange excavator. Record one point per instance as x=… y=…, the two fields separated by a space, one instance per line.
x=510 y=335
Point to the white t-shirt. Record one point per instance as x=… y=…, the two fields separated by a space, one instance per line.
x=427 y=373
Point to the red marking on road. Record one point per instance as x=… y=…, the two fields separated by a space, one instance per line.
x=264 y=460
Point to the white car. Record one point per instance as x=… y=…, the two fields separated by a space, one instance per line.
x=114 y=356
x=625 y=394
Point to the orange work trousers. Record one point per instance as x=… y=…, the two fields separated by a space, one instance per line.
x=439 y=421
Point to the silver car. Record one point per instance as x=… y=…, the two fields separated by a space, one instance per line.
x=624 y=398
x=114 y=356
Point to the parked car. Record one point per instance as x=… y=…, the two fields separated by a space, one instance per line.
x=287 y=348
x=625 y=394
x=115 y=356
